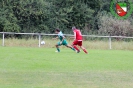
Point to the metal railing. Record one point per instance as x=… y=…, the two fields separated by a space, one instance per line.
x=40 y=34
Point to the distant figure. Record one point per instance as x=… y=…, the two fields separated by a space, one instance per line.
x=78 y=40
x=62 y=41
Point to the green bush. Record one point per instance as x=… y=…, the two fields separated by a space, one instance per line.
x=112 y=26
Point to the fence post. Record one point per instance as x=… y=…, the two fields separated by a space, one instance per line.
x=3 y=41
x=110 y=43
x=39 y=39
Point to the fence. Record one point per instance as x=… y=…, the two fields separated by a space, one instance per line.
x=41 y=34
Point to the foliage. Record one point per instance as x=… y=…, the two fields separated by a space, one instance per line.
x=43 y=15
x=46 y=15
x=8 y=21
x=112 y=26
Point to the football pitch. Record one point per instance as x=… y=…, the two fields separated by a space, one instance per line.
x=22 y=67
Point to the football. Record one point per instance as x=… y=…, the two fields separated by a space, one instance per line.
x=42 y=42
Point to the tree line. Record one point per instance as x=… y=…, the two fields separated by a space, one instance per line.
x=91 y=16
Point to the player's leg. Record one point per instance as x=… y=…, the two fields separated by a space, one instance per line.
x=84 y=49
x=57 y=46
x=74 y=45
x=70 y=47
x=80 y=44
x=65 y=43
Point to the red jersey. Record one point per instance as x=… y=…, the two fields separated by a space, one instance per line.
x=77 y=35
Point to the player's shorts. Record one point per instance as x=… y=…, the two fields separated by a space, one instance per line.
x=79 y=43
x=63 y=43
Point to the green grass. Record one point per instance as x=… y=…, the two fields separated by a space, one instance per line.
x=43 y=68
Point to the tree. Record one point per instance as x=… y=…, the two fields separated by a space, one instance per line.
x=67 y=13
x=8 y=21
x=46 y=15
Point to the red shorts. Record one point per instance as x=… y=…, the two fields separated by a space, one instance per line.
x=79 y=43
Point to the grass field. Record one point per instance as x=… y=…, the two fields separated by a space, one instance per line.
x=43 y=68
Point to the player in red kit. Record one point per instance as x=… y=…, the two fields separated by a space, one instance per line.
x=78 y=40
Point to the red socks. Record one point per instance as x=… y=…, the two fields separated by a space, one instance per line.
x=85 y=51
x=76 y=48
x=79 y=50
